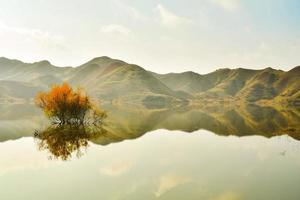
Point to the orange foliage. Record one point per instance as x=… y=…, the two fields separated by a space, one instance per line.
x=64 y=105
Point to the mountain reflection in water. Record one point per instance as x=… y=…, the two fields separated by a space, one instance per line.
x=130 y=122
x=160 y=165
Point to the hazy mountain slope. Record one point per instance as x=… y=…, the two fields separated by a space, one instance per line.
x=187 y=81
x=288 y=86
x=192 y=82
x=94 y=70
x=261 y=86
x=223 y=82
x=46 y=80
x=243 y=84
x=112 y=79
x=102 y=77
x=288 y=78
x=18 y=71
x=234 y=82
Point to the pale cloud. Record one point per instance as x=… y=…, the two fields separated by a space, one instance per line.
x=170 y=19
x=130 y=10
x=44 y=39
x=230 y=5
x=247 y=29
x=31 y=44
x=194 y=28
x=117 y=169
x=115 y=29
x=170 y=181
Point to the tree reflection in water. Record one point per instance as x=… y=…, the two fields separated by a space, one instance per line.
x=65 y=140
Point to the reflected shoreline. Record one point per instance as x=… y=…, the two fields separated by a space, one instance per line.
x=130 y=122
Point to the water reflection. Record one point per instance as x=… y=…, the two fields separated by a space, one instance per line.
x=63 y=141
x=130 y=122
x=244 y=120
x=162 y=164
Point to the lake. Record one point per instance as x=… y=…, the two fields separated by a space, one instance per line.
x=214 y=153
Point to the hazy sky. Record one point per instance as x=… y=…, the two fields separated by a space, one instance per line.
x=162 y=36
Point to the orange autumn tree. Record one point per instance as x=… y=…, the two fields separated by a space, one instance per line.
x=64 y=105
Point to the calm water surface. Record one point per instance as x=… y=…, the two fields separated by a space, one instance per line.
x=184 y=162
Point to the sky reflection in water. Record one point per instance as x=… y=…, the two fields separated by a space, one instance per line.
x=162 y=164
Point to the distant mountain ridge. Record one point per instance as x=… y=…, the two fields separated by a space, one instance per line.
x=115 y=80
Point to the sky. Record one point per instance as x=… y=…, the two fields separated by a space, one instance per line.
x=159 y=35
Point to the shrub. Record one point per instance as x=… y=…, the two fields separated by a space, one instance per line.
x=64 y=105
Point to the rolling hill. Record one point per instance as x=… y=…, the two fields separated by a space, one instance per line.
x=115 y=80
